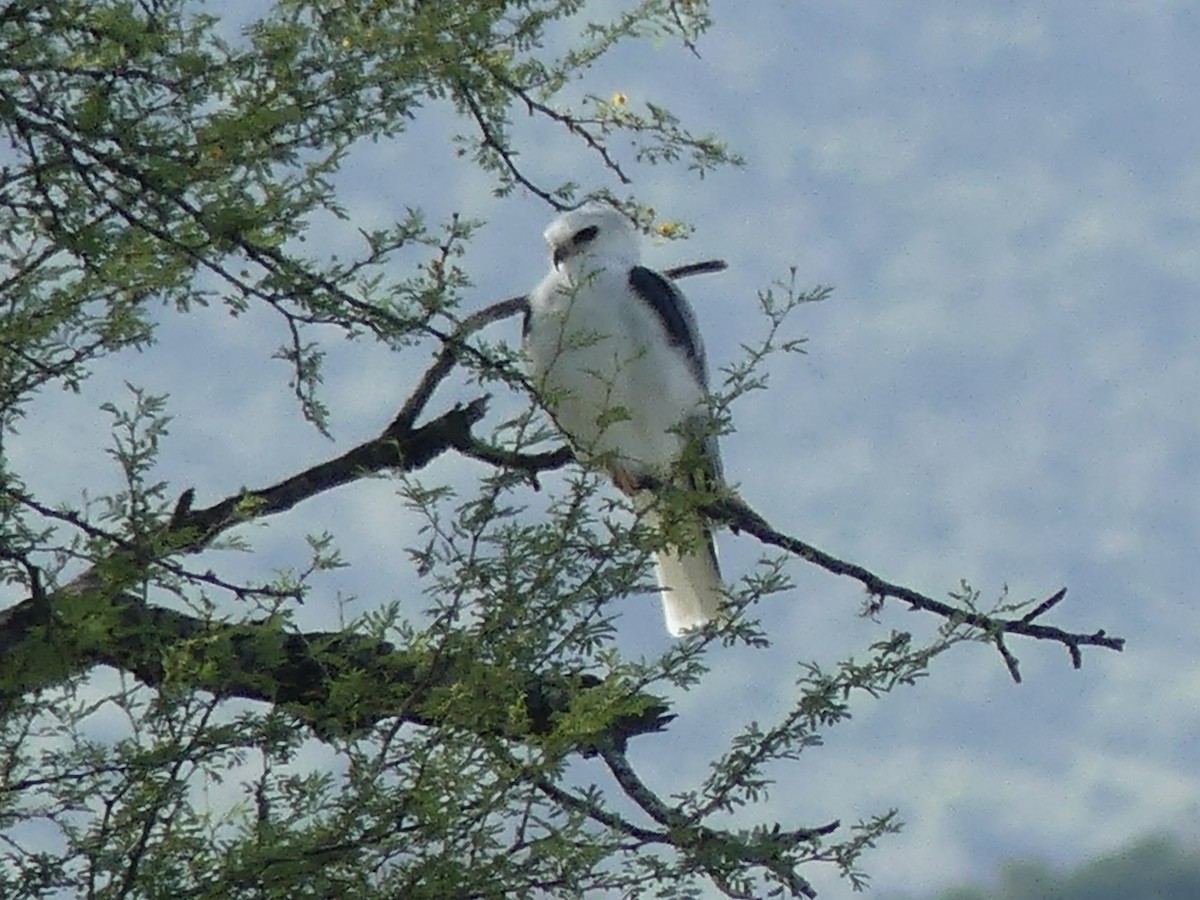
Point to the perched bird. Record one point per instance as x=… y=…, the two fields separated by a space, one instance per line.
x=615 y=355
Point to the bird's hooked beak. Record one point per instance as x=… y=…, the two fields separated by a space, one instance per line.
x=577 y=243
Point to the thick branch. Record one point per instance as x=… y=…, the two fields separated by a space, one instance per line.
x=338 y=682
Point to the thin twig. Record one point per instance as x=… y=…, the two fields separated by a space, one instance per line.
x=766 y=854
x=571 y=123
x=1014 y=667
x=1045 y=605
x=738 y=515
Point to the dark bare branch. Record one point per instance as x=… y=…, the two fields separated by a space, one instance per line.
x=262 y=661
x=741 y=517
x=770 y=851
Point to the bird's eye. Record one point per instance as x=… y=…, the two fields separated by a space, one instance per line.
x=584 y=235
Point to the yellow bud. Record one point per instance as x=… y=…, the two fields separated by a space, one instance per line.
x=619 y=100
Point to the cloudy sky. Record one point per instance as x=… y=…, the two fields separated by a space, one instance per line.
x=1002 y=388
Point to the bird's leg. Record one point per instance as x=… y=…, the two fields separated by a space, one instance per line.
x=626 y=481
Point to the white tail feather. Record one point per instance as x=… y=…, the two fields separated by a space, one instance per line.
x=691 y=588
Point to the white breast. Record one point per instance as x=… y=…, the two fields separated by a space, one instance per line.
x=601 y=362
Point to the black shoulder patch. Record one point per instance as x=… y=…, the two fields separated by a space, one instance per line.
x=671 y=309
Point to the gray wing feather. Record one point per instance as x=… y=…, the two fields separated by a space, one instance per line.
x=679 y=323
x=676 y=316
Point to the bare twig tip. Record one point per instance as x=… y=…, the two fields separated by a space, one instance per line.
x=1045 y=605
x=1014 y=667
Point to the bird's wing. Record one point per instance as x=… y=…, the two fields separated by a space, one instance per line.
x=679 y=322
x=673 y=311
x=526 y=316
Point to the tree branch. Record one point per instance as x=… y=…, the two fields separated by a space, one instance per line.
x=735 y=513
x=713 y=849
x=599 y=814
x=298 y=671
x=398 y=447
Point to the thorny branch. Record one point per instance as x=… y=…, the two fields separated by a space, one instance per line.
x=406 y=447
x=741 y=517
x=770 y=851
x=676 y=830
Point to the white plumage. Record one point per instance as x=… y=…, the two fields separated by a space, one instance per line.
x=615 y=355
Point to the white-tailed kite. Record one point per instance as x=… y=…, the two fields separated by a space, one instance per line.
x=616 y=357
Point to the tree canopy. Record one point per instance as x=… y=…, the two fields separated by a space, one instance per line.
x=167 y=728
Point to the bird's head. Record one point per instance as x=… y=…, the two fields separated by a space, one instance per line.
x=591 y=236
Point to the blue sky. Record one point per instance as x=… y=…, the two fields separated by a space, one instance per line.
x=1003 y=388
